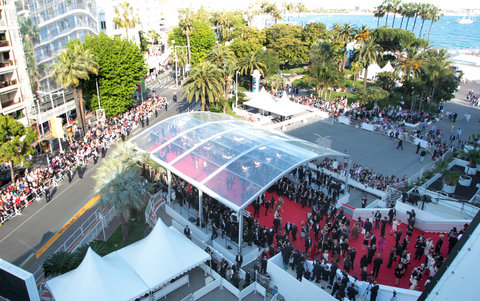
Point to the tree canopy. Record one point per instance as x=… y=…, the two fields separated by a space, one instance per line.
x=286 y=41
x=121 y=66
x=15 y=142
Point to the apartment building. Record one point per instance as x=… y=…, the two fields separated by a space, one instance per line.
x=15 y=92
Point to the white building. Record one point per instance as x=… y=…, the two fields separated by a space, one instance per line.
x=15 y=92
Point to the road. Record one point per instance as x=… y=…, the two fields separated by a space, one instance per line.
x=24 y=234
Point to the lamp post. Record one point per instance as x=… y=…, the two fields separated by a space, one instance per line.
x=98 y=93
x=236 y=89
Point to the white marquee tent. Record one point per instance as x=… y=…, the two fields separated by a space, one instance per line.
x=98 y=278
x=131 y=271
x=269 y=103
x=163 y=255
x=374 y=69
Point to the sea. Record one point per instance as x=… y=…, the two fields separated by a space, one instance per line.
x=446 y=33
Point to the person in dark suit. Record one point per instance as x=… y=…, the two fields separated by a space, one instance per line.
x=374 y=291
x=239 y=260
x=187 y=232
x=391 y=214
x=377 y=262
x=294 y=232
x=308 y=243
x=48 y=197
x=248 y=278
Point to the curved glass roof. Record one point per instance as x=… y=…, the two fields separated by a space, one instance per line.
x=226 y=157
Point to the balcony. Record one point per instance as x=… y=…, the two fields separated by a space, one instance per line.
x=6 y=63
x=4 y=43
x=8 y=85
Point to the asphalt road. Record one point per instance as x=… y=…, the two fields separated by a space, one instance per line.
x=23 y=234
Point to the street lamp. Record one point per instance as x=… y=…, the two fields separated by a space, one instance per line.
x=98 y=93
x=236 y=89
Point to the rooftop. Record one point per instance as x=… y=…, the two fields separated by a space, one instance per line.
x=226 y=157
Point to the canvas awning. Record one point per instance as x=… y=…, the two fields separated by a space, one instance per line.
x=269 y=103
x=97 y=278
x=162 y=256
x=132 y=271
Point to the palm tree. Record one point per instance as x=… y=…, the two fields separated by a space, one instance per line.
x=402 y=12
x=30 y=34
x=379 y=13
x=121 y=185
x=250 y=62
x=74 y=65
x=154 y=36
x=58 y=263
x=410 y=66
x=275 y=81
x=362 y=35
x=224 y=58
x=186 y=24
x=434 y=17
x=437 y=66
x=387 y=8
x=347 y=34
x=416 y=12
x=205 y=83
x=125 y=18
x=368 y=54
x=409 y=12
x=424 y=14
x=395 y=8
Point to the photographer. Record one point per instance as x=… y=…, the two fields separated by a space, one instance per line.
x=374 y=291
x=352 y=292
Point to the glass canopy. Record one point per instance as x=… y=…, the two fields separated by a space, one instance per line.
x=230 y=159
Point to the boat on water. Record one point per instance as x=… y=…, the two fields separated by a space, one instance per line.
x=465 y=20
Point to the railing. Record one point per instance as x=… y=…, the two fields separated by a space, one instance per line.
x=6 y=63
x=418 y=175
x=7 y=83
x=4 y=43
x=88 y=231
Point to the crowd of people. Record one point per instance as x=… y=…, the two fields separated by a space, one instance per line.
x=390 y=121
x=32 y=183
x=322 y=246
x=367 y=177
x=474 y=98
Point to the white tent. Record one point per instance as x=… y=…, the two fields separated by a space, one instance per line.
x=98 y=278
x=373 y=70
x=269 y=103
x=387 y=68
x=162 y=256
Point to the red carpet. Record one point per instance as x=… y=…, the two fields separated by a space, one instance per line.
x=293 y=212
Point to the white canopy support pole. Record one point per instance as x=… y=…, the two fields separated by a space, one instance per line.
x=347 y=176
x=200 y=207
x=240 y=230
x=169 y=181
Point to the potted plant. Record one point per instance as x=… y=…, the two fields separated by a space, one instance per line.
x=465 y=180
x=472 y=155
x=450 y=180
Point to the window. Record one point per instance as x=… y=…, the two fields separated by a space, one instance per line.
x=103 y=25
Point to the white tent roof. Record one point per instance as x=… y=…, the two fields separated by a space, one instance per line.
x=163 y=255
x=98 y=278
x=280 y=106
x=387 y=68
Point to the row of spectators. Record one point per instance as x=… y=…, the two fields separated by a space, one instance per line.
x=367 y=177
x=32 y=183
x=388 y=121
